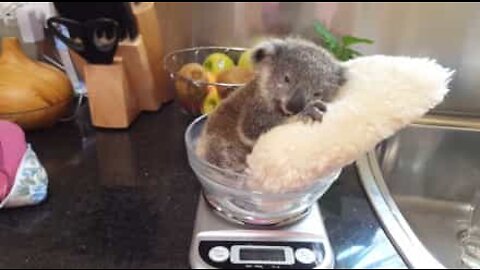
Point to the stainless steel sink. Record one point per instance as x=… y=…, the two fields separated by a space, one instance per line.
x=421 y=183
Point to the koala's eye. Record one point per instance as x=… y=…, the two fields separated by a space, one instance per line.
x=317 y=94
x=287 y=79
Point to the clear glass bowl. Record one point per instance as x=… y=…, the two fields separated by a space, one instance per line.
x=227 y=192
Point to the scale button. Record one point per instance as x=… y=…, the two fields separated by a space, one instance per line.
x=219 y=254
x=305 y=256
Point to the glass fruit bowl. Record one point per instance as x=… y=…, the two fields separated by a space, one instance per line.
x=227 y=191
x=191 y=94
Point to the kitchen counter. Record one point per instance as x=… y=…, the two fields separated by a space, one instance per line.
x=127 y=199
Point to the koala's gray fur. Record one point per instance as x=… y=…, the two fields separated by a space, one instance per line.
x=294 y=77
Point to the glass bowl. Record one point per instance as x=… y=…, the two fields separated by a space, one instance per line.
x=227 y=192
x=192 y=97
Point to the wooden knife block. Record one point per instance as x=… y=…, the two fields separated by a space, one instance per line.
x=149 y=28
x=118 y=92
x=140 y=75
x=112 y=102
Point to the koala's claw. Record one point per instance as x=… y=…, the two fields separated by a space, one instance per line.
x=314 y=111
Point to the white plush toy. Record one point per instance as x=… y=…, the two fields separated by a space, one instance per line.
x=382 y=95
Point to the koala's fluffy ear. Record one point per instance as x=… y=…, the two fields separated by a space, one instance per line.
x=264 y=51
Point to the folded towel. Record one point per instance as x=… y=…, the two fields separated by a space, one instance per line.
x=4 y=177
x=12 y=149
x=30 y=185
x=382 y=95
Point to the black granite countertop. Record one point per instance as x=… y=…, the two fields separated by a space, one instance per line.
x=127 y=199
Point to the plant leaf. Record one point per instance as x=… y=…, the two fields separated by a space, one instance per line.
x=330 y=40
x=348 y=54
x=355 y=53
x=345 y=56
x=351 y=40
x=340 y=54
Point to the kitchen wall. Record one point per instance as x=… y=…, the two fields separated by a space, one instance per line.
x=448 y=32
x=8 y=28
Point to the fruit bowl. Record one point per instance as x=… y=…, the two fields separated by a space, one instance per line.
x=196 y=96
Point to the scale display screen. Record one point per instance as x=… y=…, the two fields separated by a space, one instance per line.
x=280 y=255
x=255 y=254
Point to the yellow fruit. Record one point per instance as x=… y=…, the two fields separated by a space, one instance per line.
x=211 y=101
x=193 y=71
x=191 y=96
x=217 y=63
x=211 y=78
x=235 y=75
x=245 y=60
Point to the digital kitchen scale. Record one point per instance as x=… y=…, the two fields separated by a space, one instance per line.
x=218 y=243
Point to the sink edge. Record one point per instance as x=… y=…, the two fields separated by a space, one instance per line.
x=403 y=238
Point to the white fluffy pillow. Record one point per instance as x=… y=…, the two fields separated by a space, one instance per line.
x=382 y=95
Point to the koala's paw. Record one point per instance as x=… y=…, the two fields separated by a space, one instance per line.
x=314 y=111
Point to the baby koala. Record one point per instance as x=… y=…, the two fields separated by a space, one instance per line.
x=293 y=78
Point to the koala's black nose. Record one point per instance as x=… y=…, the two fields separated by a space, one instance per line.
x=296 y=103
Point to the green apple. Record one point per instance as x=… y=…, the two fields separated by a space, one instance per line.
x=245 y=60
x=217 y=63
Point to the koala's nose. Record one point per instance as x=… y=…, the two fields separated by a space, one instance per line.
x=296 y=103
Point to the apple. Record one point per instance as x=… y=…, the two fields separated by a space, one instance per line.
x=212 y=100
x=235 y=75
x=245 y=60
x=216 y=63
x=189 y=95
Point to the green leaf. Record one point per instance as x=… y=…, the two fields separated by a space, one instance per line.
x=348 y=54
x=330 y=40
x=340 y=49
x=344 y=57
x=340 y=53
x=351 y=40
x=355 y=53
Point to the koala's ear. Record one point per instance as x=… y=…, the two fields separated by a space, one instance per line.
x=264 y=51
